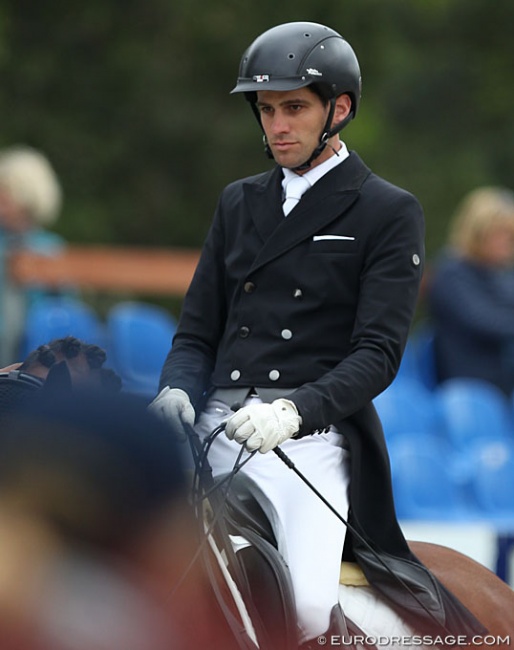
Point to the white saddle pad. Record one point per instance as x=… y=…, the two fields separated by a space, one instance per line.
x=379 y=622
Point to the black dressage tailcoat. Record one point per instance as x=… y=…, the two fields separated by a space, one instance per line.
x=317 y=307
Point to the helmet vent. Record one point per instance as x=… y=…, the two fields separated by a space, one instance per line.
x=291 y=55
x=307 y=35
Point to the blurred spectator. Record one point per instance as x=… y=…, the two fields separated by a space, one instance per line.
x=98 y=540
x=96 y=530
x=30 y=202
x=471 y=292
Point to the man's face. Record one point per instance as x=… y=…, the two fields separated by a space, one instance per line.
x=293 y=121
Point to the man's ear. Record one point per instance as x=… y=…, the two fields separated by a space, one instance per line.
x=342 y=108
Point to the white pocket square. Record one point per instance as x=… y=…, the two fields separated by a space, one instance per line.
x=332 y=237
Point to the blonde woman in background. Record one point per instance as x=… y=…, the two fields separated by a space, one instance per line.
x=30 y=203
x=471 y=294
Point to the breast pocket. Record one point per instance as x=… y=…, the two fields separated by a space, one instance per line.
x=333 y=245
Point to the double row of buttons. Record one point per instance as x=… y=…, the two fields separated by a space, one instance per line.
x=273 y=375
x=249 y=287
x=244 y=332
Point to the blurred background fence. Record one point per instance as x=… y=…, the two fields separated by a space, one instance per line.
x=133 y=108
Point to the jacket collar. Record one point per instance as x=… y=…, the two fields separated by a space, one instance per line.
x=331 y=196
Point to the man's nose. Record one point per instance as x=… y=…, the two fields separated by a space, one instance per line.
x=280 y=123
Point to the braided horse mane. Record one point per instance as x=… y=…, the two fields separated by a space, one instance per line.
x=63 y=363
x=84 y=361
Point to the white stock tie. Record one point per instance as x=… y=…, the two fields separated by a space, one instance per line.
x=295 y=188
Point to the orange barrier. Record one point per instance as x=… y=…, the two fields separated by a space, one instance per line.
x=159 y=271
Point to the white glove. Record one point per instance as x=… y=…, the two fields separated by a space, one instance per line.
x=173 y=406
x=264 y=426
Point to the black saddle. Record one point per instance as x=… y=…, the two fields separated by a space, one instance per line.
x=260 y=571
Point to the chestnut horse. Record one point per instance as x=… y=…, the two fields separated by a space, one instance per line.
x=486 y=596
x=483 y=593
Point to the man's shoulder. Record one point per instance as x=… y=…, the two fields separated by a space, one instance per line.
x=256 y=179
x=354 y=172
x=388 y=187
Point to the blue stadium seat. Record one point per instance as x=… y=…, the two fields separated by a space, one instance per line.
x=492 y=483
x=473 y=411
x=140 y=336
x=407 y=407
x=408 y=369
x=419 y=358
x=52 y=317
x=424 y=485
x=492 y=490
x=424 y=350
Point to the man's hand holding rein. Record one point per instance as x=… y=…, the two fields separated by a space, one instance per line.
x=264 y=426
x=174 y=406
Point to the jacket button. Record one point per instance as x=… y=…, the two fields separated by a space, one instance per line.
x=249 y=287
x=286 y=334
x=298 y=293
x=274 y=375
x=235 y=375
x=244 y=332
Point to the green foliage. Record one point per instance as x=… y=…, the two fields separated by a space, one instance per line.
x=131 y=103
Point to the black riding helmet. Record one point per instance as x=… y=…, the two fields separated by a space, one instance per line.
x=296 y=55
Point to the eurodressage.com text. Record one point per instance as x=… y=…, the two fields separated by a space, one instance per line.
x=414 y=640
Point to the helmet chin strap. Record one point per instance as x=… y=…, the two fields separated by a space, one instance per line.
x=326 y=134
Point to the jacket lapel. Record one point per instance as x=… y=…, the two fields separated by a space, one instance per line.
x=263 y=201
x=330 y=197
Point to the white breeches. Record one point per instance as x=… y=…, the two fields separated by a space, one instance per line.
x=310 y=537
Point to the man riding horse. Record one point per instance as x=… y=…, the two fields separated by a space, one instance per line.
x=298 y=313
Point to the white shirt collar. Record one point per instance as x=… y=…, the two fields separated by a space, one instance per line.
x=317 y=172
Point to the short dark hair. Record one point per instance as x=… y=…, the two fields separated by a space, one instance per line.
x=321 y=91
